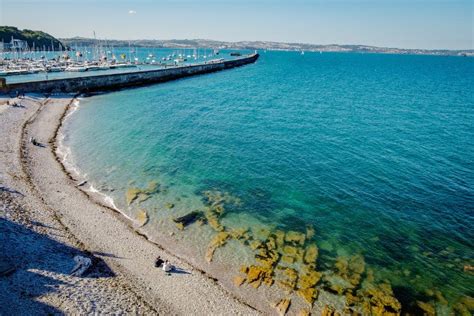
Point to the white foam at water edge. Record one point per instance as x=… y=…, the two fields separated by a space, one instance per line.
x=108 y=200
x=75 y=105
x=65 y=153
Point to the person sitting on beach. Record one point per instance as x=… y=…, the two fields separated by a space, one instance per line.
x=167 y=266
x=158 y=262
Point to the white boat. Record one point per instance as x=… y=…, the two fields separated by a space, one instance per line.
x=54 y=69
x=76 y=68
x=35 y=70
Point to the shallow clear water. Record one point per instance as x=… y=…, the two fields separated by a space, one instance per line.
x=375 y=151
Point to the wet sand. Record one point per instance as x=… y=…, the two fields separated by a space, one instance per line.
x=46 y=220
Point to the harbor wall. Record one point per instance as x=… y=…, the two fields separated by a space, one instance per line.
x=109 y=82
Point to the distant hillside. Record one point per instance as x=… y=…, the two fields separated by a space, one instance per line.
x=259 y=45
x=38 y=39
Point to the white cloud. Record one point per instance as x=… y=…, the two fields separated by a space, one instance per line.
x=132 y=12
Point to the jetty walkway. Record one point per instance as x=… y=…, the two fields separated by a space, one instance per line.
x=108 y=82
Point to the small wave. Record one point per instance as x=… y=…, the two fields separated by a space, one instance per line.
x=65 y=154
x=108 y=200
x=74 y=107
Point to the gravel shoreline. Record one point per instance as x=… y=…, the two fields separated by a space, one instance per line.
x=46 y=221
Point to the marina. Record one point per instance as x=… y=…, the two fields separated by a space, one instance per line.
x=21 y=63
x=120 y=79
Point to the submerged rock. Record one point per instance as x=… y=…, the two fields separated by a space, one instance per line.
x=311 y=254
x=309 y=279
x=256 y=275
x=218 y=241
x=304 y=312
x=295 y=237
x=378 y=299
x=282 y=306
x=329 y=311
x=141 y=195
x=189 y=218
x=427 y=308
x=131 y=195
x=142 y=218
x=279 y=238
x=238 y=280
x=465 y=306
x=309 y=295
x=310 y=232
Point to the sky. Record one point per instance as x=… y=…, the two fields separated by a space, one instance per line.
x=441 y=24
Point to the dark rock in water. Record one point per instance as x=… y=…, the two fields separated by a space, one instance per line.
x=189 y=218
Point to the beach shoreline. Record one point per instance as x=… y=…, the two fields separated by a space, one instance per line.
x=100 y=230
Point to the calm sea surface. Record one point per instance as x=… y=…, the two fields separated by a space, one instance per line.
x=374 y=151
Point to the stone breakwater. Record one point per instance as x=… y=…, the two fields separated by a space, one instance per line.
x=123 y=80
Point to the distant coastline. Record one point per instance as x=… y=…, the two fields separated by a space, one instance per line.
x=264 y=45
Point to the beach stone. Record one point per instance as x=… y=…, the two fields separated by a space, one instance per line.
x=169 y=205
x=282 y=306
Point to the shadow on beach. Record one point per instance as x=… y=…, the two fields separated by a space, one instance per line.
x=36 y=266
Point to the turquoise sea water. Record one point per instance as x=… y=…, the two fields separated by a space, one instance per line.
x=374 y=151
